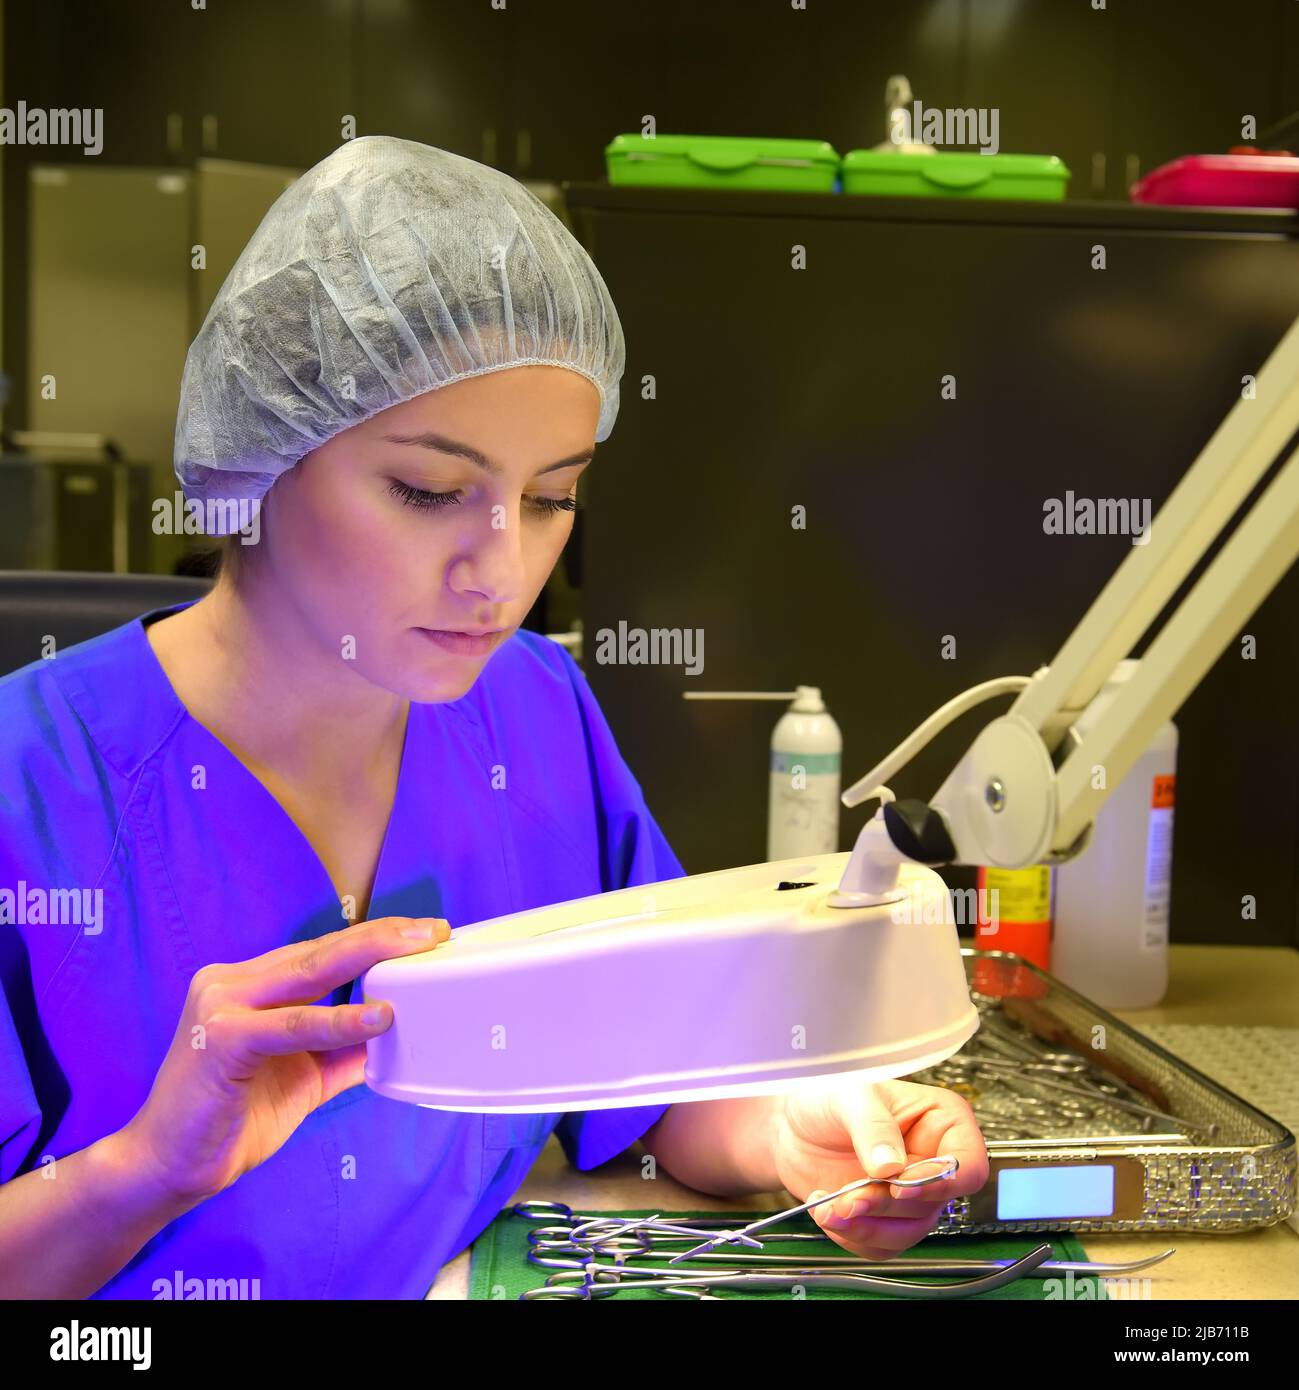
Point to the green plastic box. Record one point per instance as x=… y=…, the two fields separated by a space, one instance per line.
x=1032 y=177
x=722 y=161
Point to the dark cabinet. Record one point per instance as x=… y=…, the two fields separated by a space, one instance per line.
x=435 y=72
x=1287 y=70
x=239 y=79
x=1218 y=60
x=133 y=61
x=859 y=47
x=759 y=76
x=583 y=71
x=1048 y=69
x=1116 y=92
x=538 y=87
x=274 y=81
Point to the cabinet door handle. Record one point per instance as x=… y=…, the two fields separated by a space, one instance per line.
x=209 y=134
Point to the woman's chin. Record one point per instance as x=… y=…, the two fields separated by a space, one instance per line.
x=437 y=682
x=425 y=672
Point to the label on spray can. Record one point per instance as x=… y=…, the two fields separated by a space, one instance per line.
x=803 y=804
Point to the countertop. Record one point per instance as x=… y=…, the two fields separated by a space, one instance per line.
x=1255 y=985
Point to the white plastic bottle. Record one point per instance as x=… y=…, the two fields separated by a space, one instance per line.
x=803 y=797
x=1110 y=939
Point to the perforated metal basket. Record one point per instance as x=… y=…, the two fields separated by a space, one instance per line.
x=1175 y=1150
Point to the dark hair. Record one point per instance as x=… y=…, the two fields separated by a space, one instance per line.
x=199 y=564
x=232 y=558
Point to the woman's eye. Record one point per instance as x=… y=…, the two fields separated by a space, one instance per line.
x=424 y=500
x=421 y=499
x=554 y=504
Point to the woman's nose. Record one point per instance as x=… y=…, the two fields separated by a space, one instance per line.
x=489 y=562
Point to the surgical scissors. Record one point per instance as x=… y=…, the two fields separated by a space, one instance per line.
x=538 y=1211
x=945 y=1166
x=1021 y=1088
x=599 y=1230
x=564 y=1240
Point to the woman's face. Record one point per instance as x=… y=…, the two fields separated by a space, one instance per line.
x=439 y=517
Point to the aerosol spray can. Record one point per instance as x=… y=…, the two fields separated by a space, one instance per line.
x=803 y=771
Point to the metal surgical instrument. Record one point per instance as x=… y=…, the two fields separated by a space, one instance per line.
x=934 y=1265
x=618 y=1255
x=599 y=1230
x=946 y=1167
x=1064 y=1100
x=600 y=1287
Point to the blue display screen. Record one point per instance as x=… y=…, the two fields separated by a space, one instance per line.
x=1026 y=1194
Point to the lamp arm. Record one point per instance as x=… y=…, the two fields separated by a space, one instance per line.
x=1011 y=800
x=864 y=788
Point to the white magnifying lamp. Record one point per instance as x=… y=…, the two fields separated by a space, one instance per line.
x=756 y=980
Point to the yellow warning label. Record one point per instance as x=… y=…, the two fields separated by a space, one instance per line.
x=1023 y=895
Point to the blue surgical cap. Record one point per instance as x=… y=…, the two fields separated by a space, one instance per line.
x=386 y=271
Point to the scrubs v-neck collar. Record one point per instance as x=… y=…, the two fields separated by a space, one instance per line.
x=129 y=736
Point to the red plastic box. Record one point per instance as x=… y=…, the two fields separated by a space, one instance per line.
x=1223 y=181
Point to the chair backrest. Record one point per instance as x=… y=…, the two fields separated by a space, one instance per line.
x=72 y=607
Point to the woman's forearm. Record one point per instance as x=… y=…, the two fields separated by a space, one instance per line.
x=723 y=1147
x=66 y=1236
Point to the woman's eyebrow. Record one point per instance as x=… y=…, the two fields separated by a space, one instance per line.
x=443 y=445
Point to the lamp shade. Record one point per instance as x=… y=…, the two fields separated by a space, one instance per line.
x=744 y=981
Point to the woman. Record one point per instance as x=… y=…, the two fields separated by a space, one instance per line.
x=347 y=746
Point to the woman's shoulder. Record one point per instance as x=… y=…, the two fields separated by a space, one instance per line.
x=69 y=723
x=35 y=709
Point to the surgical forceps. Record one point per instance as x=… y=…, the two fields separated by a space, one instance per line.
x=578 y=1272
x=817 y=1279
x=600 y=1230
x=1032 y=1090
x=580 y=1258
x=603 y=1232
x=598 y=1283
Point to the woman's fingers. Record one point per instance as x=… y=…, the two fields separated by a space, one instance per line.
x=248 y=1036
x=878 y=1237
x=875 y=1201
x=937 y=1121
x=341 y=1070
x=873 y=1128
x=308 y=970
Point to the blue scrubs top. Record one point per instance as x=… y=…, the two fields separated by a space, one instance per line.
x=106 y=782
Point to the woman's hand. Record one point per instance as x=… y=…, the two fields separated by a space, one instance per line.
x=842 y=1131
x=254 y=1055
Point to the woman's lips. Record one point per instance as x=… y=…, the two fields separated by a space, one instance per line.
x=463 y=643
